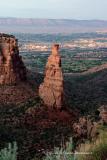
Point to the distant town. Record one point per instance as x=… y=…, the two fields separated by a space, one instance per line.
x=73 y=44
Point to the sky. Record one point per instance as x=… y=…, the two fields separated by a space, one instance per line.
x=54 y=9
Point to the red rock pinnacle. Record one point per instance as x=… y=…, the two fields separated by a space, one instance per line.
x=51 y=90
x=12 y=69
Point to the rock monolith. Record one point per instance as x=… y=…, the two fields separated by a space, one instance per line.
x=12 y=69
x=51 y=90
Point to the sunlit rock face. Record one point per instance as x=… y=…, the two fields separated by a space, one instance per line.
x=51 y=90
x=12 y=69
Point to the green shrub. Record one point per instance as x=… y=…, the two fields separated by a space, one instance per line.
x=99 y=150
x=9 y=153
x=62 y=154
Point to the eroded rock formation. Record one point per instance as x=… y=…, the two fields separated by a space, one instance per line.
x=85 y=128
x=51 y=90
x=12 y=69
x=103 y=113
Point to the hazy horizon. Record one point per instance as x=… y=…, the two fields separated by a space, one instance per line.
x=14 y=17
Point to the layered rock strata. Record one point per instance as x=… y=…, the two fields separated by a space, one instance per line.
x=12 y=69
x=51 y=90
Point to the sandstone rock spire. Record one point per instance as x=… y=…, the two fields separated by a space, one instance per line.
x=51 y=90
x=12 y=69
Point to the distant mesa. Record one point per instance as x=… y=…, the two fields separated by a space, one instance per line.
x=12 y=69
x=51 y=90
x=68 y=26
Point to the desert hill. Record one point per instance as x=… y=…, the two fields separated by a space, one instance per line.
x=87 y=91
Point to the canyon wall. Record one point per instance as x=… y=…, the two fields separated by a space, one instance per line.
x=12 y=69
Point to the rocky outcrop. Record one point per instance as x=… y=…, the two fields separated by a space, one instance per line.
x=51 y=90
x=12 y=69
x=103 y=113
x=85 y=128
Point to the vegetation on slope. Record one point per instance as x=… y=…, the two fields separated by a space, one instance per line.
x=86 y=92
x=98 y=149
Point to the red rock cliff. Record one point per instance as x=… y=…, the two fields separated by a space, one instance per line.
x=12 y=69
x=51 y=90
